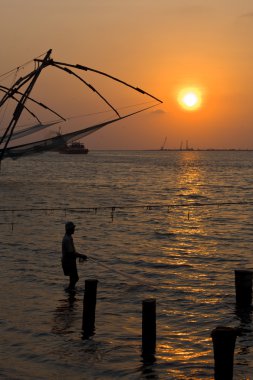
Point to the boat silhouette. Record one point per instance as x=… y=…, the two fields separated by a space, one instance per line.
x=76 y=147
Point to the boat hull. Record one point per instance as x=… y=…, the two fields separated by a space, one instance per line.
x=74 y=148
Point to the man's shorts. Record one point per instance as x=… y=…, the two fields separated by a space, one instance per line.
x=69 y=267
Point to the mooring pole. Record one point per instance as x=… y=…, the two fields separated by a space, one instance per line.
x=148 y=327
x=89 y=307
x=224 y=339
x=243 y=287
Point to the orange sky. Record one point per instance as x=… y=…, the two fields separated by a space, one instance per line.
x=160 y=46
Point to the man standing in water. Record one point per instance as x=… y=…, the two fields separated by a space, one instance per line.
x=69 y=256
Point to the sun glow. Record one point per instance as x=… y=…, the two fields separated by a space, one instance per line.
x=190 y=99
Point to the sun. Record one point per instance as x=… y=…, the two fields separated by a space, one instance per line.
x=190 y=99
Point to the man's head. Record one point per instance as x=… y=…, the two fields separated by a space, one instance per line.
x=69 y=227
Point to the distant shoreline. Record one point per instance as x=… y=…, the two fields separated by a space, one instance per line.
x=207 y=150
x=173 y=150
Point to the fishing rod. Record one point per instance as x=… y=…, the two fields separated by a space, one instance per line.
x=128 y=276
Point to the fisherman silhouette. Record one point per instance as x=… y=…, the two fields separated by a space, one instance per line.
x=69 y=256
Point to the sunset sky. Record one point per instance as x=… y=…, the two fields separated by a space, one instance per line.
x=163 y=47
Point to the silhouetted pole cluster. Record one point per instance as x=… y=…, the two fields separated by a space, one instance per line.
x=224 y=338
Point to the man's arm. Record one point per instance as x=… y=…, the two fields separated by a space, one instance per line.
x=81 y=256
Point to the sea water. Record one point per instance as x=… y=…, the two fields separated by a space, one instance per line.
x=167 y=225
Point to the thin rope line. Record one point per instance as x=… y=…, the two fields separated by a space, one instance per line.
x=21 y=66
x=106 y=111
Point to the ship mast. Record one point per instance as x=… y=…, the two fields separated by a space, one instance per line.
x=162 y=147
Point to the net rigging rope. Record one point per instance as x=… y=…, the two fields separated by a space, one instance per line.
x=21 y=66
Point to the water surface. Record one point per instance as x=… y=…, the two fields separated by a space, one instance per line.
x=183 y=255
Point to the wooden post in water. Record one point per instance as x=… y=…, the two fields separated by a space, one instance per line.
x=243 y=287
x=224 y=339
x=148 y=328
x=89 y=308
